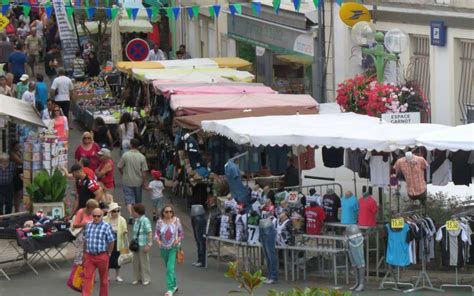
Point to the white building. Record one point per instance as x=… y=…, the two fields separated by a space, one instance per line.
x=446 y=73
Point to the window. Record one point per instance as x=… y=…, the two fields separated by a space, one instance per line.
x=466 y=78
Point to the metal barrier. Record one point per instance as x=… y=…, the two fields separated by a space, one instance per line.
x=321 y=188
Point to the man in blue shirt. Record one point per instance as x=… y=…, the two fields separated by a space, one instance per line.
x=349 y=208
x=41 y=92
x=17 y=61
x=98 y=245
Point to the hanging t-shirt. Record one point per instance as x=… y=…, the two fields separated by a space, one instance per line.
x=224 y=228
x=316 y=198
x=379 y=170
x=453 y=244
x=333 y=157
x=353 y=159
x=284 y=233
x=414 y=172
x=440 y=169
x=277 y=158
x=349 y=210
x=367 y=211
x=331 y=205
x=397 y=246
x=234 y=180
x=241 y=227
x=253 y=237
x=192 y=149
x=462 y=173
x=230 y=204
x=314 y=219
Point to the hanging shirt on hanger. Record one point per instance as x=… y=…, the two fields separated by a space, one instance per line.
x=234 y=179
x=379 y=169
x=462 y=173
x=414 y=172
x=349 y=210
x=331 y=205
x=333 y=157
x=440 y=169
x=314 y=219
x=192 y=149
x=277 y=158
x=398 y=246
x=367 y=211
x=453 y=245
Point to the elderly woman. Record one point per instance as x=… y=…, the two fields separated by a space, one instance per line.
x=142 y=232
x=119 y=227
x=105 y=171
x=82 y=217
x=7 y=172
x=89 y=149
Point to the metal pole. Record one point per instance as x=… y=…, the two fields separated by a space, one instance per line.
x=172 y=22
x=319 y=90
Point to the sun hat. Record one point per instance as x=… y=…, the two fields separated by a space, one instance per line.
x=114 y=206
x=24 y=77
x=104 y=152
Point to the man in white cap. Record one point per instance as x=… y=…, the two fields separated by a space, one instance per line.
x=22 y=86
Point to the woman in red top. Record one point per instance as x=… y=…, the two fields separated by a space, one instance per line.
x=88 y=149
x=105 y=172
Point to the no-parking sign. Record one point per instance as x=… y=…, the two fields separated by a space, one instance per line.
x=137 y=50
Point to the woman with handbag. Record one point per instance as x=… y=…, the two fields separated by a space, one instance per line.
x=82 y=217
x=169 y=234
x=119 y=227
x=140 y=246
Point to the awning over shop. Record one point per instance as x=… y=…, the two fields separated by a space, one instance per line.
x=347 y=130
x=198 y=104
x=456 y=138
x=215 y=88
x=188 y=74
x=227 y=62
x=140 y=25
x=194 y=121
x=20 y=111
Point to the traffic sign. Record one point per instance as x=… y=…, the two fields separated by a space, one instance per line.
x=4 y=21
x=137 y=50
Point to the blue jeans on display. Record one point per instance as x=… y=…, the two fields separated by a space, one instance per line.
x=268 y=240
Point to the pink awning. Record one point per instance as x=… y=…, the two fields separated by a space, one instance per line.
x=198 y=104
x=213 y=88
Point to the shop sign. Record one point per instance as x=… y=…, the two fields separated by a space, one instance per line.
x=137 y=50
x=304 y=44
x=397 y=223
x=4 y=21
x=351 y=13
x=438 y=33
x=408 y=117
x=265 y=34
x=67 y=34
x=452 y=225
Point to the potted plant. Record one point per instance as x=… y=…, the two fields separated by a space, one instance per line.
x=47 y=192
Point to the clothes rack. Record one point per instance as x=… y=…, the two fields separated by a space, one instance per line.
x=396 y=279
x=464 y=213
x=456 y=284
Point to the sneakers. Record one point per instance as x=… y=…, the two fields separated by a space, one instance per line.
x=198 y=264
x=175 y=289
x=269 y=281
x=146 y=283
x=130 y=221
x=135 y=283
x=119 y=279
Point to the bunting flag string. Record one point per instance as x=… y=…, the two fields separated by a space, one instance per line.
x=276 y=6
x=297 y=4
x=256 y=7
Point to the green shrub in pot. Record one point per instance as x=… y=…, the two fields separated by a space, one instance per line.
x=47 y=188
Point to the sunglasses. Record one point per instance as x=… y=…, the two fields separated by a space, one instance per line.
x=166 y=212
x=115 y=211
x=96 y=216
x=57 y=110
x=86 y=138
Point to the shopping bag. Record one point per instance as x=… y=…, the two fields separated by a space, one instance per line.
x=75 y=278
x=180 y=256
x=125 y=257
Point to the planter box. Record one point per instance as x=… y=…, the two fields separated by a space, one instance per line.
x=50 y=209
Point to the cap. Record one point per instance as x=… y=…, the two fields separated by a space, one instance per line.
x=104 y=152
x=114 y=206
x=156 y=174
x=76 y=167
x=24 y=77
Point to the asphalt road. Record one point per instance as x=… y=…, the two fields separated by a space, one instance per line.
x=191 y=280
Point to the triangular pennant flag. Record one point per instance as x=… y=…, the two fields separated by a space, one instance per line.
x=176 y=12
x=48 y=9
x=169 y=12
x=90 y=11
x=190 y=12
x=196 y=11
x=78 y=3
x=26 y=9
x=339 y=2
x=115 y=11
x=96 y=3
x=69 y=11
x=5 y=2
x=132 y=13
x=297 y=4
x=316 y=3
x=232 y=9
x=5 y=8
x=149 y=12
x=256 y=7
x=276 y=6
x=108 y=13
x=86 y=3
x=238 y=7
x=152 y=13
x=217 y=9
x=211 y=12
x=107 y=3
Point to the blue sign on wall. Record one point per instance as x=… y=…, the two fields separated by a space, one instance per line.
x=438 y=33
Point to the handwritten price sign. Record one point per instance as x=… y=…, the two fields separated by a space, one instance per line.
x=452 y=225
x=4 y=21
x=397 y=223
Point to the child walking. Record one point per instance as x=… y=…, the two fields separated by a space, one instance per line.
x=156 y=186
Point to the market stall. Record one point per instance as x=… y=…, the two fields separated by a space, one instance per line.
x=189 y=75
x=456 y=138
x=211 y=88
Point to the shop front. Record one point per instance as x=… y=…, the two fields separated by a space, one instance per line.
x=281 y=48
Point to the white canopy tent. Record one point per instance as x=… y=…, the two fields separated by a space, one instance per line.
x=347 y=130
x=20 y=111
x=456 y=138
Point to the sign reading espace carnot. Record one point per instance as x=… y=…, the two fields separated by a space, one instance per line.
x=408 y=117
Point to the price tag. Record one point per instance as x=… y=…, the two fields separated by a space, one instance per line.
x=452 y=225
x=397 y=223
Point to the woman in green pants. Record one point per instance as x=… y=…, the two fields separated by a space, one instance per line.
x=168 y=236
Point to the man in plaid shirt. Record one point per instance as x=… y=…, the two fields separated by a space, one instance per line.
x=98 y=245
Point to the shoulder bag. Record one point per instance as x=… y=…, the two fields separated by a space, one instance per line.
x=134 y=246
x=179 y=251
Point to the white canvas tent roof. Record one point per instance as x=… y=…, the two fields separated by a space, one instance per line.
x=20 y=111
x=456 y=138
x=347 y=130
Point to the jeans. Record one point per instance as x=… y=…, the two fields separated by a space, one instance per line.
x=132 y=194
x=6 y=198
x=199 y=224
x=91 y=263
x=268 y=240
x=169 y=259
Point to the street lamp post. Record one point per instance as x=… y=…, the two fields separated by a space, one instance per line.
x=380 y=55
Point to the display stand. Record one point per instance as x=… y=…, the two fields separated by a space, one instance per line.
x=396 y=281
x=456 y=284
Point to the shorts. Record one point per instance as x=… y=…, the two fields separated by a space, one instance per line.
x=157 y=203
x=132 y=194
x=356 y=251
